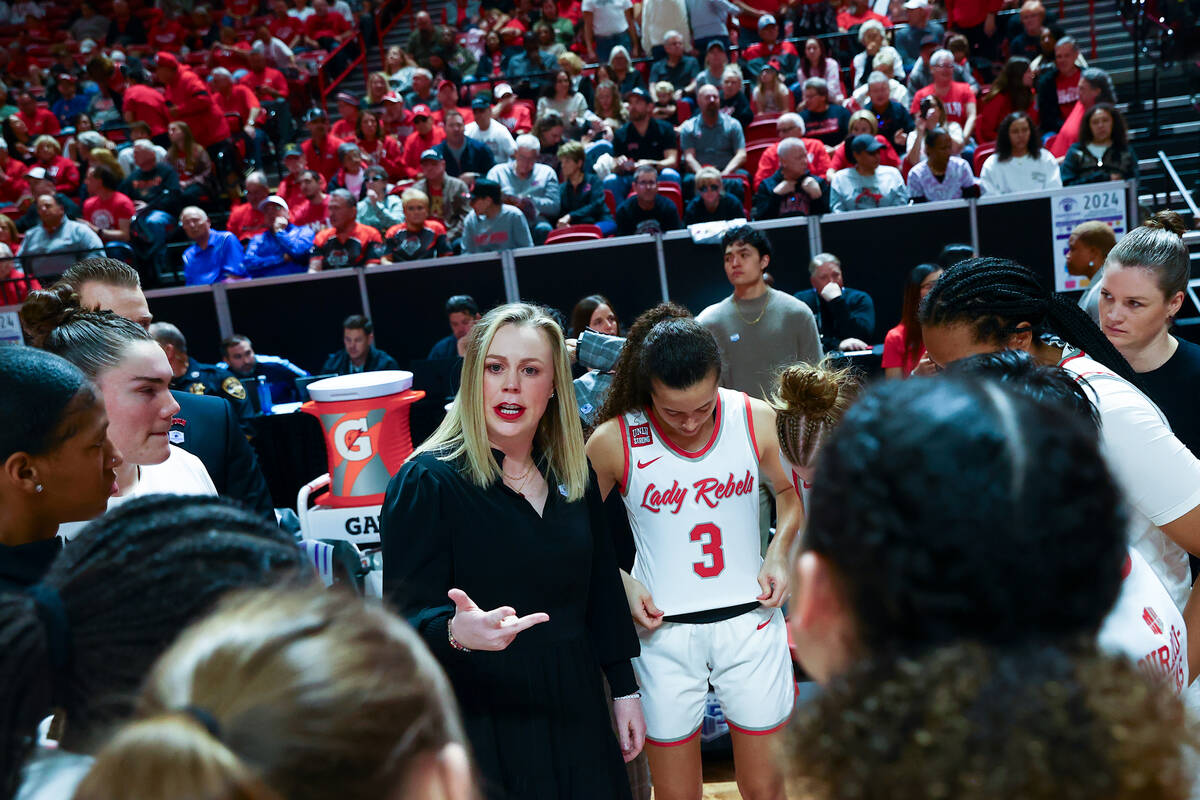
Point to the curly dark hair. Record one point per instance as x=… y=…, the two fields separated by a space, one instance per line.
x=933 y=497
x=967 y=722
x=664 y=343
x=998 y=298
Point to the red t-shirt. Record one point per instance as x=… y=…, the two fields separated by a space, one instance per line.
x=846 y=20
x=240 y=101
x=308 y=213
x=64 y=172
x=1067 y=88
x=232 y=58
x=268 y=77
x=285 y=29
x=245 y=221
x=751 y=21
x=167 y=35
x=957 y=98
x=290 y=191
x=148 y=105
x=42 y=121
x=439 y=116
x=13 y=291
x=992 y=113
x=325 y=159
x=896 y=355
x=12 y=181
x=760 y=50
x=343 y=129
x=387 y=153
x=518 y=120
x=330 y=24
x=362 y=246
x=106 y=214
x=416 y=144
x=195 y=106
x=818 y=160
x=964 y=14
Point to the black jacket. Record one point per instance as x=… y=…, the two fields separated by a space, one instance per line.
x=850 y=316
x=1080 y=166
x=631 y=217
x=768 y=205
x=339 y=362
x=207 y=428
x=585 y=202
x=157 y=188
x=476 y=157
x=727 y=208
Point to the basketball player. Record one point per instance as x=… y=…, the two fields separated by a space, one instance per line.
x=685 y=455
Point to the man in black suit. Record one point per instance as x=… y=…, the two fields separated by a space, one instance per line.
x=845 y=317
x=206 y=426
x=358 y=353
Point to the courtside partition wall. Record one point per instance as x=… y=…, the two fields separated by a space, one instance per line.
x=300 y=316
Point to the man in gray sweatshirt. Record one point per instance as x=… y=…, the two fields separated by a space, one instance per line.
x=530 y=186
x=491 y=225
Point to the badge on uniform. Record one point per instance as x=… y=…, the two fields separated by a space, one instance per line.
x=196 y=388
x=175 y=437
x=639 y=435
x=233 y=387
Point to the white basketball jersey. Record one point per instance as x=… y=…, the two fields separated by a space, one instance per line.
x=694 y=515
x=1145 y=626
x=803 y=488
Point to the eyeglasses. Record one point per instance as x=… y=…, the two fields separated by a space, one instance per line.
x=646 y=184
x=709 y=188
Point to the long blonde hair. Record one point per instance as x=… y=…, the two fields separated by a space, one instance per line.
x=463 y=433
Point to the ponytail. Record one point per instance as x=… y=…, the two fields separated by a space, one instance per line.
x=809 y=402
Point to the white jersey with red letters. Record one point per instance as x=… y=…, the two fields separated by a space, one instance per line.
x=694 y=515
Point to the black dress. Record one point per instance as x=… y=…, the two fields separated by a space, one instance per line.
x=535 y=713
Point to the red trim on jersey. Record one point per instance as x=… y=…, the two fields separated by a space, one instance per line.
x=682 y=741
x=1127 y=567
x=750 y=427
x=1064 y=362
x=624 y=486
x=679 y=451
x=767 y=732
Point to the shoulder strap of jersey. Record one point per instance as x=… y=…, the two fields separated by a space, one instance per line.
x=623 y=484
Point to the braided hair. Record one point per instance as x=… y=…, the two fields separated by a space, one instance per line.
x=128 y=584
x=931 y=496
x=809 y=402
x=998 y=298
x=666 y=343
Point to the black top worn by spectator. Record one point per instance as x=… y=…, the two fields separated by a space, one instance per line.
x=679 y=75
x=207 y=427
x=850 y=316
x=30 y=219
x=214 y=381
x=339 y=362
x=23 y=565
x=476 y=157
x=443 y=349
x=404 y=245
x=738 y=107
x=727 y=208
x=632 y=218
x=894 y=118
x=658 y=138
x=828 y=126
x=1081 y=166
x=585 y=202
x=797 y=203
x=157 y=188
x=1050 y=117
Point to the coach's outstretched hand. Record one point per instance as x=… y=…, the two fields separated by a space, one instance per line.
x=773 y=578
x=641 y=604
x=476 y=629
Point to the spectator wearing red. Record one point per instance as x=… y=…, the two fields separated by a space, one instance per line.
x=447 y=97
x=60 y=169
x=13 y=185
x=856 y=12
x=108 y=212
x=167 y=34
x=190 y=102
x=956 y=97
x=289 y=185
x=572 y=10
x=320 y=151
x=247 y=220
x=507 y=112
x=864 y=122
x=379 y=149
x=283 y=26
x=752 y=12
x=142 y=102
x=314 y=208
x=770 y=47
x=234 y=98
x=1058 y=86
x=425 y=136
x=265 y=81
x=39 y=121
x=348 y=106
x=229 y=52
x=1009 y=92
x=903 y=347
x=326 y=28
x=347 y=242
x=975 y=19
x=792 y=126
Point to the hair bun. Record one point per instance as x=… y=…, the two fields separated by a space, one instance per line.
x=1167 y=221
x=808 y=391
x=44 y=310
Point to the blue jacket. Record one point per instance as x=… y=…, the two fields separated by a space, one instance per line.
x=271 y=253
x=476 y=157
x=222 y=258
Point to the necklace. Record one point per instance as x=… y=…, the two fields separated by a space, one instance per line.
x=523 y=478
x=756 y=320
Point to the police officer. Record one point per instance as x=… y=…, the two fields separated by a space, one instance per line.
x=197 y=378
x=279 y=373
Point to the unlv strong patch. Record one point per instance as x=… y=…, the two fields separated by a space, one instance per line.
x=639 y=435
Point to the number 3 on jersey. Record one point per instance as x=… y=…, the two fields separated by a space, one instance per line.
x=711 y=549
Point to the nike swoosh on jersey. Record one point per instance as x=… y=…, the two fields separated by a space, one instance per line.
x=644 y=464
x=765 y=624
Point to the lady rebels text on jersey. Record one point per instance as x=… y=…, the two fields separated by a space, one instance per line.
x=694 y=515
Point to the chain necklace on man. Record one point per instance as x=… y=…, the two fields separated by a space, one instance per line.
x=756 y=320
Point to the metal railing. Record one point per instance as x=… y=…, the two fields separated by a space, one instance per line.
x=326 y=86
x=1184 y=192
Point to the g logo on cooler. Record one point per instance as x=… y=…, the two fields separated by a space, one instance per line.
x=349 y=446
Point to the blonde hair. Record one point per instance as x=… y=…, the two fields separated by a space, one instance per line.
x=664 y=86
x=708 y=175
x=865 y=116
x=413 y=194
x=47 y=139
x=809 y=402
x=103 y=156
x=571 y=62
x=296 y=694
x=463 y=432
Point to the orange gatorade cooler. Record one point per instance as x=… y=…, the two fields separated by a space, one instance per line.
x=365 y=418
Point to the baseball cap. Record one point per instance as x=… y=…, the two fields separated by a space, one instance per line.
x=443 y=83
x=775 y=65
x=66 y=76
x=715 y=43
x=165 y=59
x=432 y=155
x=485 y=188
x=421 y=110
x=273 y=200
x=865 y=144
x=393 y=97
x=290 y=150
x=911 y=4
x=765 y=20
x=346 y=97
x=316 y=115
x=638 y=91
x=480 y=101
x=502 y=90
x=37 y=174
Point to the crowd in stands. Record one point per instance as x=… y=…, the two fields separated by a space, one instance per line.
x=517 y=120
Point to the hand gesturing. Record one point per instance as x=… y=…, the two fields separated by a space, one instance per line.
x=477 y=629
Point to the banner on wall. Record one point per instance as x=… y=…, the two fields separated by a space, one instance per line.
x=1104 y=204
x=10 y=328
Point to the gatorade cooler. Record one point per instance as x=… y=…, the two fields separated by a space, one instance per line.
x=365 y=418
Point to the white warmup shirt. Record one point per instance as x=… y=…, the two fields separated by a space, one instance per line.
x=608 y=16
x=1146 y=626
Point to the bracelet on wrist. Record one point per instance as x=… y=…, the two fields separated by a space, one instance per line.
x=454 y=642
x=634 y=696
